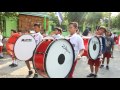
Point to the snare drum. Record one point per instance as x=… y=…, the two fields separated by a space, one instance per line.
x=24 y=47
x=11 y=42
x=54 y=59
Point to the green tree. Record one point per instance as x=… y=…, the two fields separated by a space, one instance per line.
x=116 y=22
x=93 y=18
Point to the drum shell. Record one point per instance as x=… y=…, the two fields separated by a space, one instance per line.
x=11 y=42
x=39 y=55
x=86 y=41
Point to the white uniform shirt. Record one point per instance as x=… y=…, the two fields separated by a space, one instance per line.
x=1 y=37
x=77 y=42
x=38 y=37
x=58 y=36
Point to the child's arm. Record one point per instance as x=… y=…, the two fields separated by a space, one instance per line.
x=80 y=54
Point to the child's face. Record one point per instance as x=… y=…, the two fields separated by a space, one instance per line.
x=100 y=31
x=72 y=29
x=37 y=29
x=56 y=32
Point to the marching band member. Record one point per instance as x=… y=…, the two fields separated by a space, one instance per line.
x=77 y=43
x=1 y=45
x=14 y=59
x=38 y=38
x=99 y=33
x=58 y=33
x=109 y=47
x=43 y=33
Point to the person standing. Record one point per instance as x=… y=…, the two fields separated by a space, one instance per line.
x=38 y=38
x=77 y=43
x=109 y=49
x=99 y=33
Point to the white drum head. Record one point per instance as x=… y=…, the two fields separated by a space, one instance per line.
x=94 y=48
x=24 y=47
x=59 y=59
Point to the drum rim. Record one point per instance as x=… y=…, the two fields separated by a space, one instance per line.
x=89 y=51
x=35 y=53
x=48 y=50
x=17 y=40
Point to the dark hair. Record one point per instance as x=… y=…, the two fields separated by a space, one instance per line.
x=59 y=29
x=14 y=31
x=75 y=24
x=27 y=31
x=19 y=31
x=37 y=24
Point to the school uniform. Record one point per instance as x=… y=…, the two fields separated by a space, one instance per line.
x=109 y=43
x=38 y=37
x=97 y=62
x=58 y=36
x=78 y=44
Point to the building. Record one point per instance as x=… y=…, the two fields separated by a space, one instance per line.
x=25 y=21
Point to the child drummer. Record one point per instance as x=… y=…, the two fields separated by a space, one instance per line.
x=77 y=42
x=99 y=33
x=38 y=38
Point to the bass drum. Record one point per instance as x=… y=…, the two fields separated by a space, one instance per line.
x=94 y=48
x=24 y=47
x=54 y=59
x=10 y=44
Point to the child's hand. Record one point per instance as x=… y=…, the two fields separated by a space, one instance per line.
x=78 y=58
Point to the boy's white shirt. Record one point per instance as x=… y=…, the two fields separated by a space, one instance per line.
x=58 y=36
x=38 y=37
x=1 y=37
x=77 y=42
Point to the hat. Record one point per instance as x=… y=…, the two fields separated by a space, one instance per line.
x=102 y=27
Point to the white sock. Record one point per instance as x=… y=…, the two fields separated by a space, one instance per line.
x=15 y=61
x=91 y=72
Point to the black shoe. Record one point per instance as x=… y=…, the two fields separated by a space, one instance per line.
x=11 y=64
x=29 y=74
x=1 y=57
x=14 y=65
x=35 y=75
x=107 y=67
x=95 y=76
x=101 y=66
x=90 y=75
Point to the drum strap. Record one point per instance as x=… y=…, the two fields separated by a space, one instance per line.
x=103 y=45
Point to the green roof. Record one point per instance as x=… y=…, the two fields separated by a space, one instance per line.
x=41 y=14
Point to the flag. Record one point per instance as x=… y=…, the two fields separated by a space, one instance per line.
x=60 y=18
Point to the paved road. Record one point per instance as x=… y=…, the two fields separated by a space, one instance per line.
x=81 y=70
